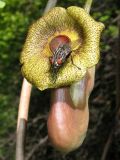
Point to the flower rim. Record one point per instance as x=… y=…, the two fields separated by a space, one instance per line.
x=36 y=51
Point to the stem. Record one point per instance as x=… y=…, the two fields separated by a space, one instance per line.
x=87 y=6
x=109 y=140
x=22 y=119
x=117 y=116
x=24 y=101
x=50 y=4
x=76 y=87
x=24 y=106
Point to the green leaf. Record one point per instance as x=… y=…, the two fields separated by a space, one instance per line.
x=104 y=18
x=2 y=4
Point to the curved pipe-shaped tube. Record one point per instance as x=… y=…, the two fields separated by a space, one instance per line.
x=67 y=123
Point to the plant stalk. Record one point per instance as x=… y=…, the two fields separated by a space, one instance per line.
x=87 y=6
x=76 y=92
x=24 y=106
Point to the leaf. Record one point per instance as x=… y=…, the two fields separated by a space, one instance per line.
x=2 y=4
x=104 y=18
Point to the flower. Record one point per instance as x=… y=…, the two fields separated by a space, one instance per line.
x=73 y=23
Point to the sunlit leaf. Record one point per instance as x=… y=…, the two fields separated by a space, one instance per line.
x=2 y=4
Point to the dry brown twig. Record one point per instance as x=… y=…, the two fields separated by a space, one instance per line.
x=22 y=119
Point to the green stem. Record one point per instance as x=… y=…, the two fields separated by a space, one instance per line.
x=50 y=4
x=87 y=6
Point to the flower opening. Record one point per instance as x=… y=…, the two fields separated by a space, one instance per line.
x=45 y=41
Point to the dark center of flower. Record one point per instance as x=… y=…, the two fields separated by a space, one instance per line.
x=60 y=47
x=57 y=41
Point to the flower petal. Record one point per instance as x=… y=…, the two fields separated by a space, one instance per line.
x=36 y=51
x=88 y=54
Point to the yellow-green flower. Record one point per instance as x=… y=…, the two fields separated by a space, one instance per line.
x=72 y=22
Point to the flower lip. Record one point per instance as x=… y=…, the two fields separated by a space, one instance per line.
x=72 y=23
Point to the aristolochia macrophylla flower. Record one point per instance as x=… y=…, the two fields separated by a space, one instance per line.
x=75 y=27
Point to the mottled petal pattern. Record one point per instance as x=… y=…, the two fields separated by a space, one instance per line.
x=73 y=22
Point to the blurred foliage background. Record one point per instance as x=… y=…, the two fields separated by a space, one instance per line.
x=15 y=18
